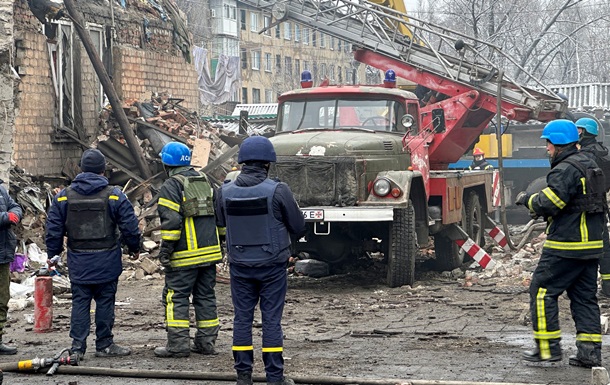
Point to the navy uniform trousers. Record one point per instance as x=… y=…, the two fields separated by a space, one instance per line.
x=104 y=295
x=249 y=285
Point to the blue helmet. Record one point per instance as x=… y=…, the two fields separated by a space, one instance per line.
x=588 y=124
x=175 y=154
x=256 y=148
x=560 y=132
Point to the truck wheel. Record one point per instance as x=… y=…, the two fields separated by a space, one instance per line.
x=402 y=248
x=474 y=219
x=448 y=255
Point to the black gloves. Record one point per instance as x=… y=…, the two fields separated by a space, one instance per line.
x=164 y=259
x=165 y=252
x=521 y=199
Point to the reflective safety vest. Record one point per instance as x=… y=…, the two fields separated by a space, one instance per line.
x=254 y=236
x=88 y=223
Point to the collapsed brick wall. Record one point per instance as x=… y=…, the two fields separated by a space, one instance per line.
x=141 y=66
x=143 y=72
x=6 y=88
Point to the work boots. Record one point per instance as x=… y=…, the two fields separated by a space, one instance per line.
x=177 y=345
x=244 y=378
x=534 y=355
x=205 y=341
x=6 y=350
x=113 y=350
x=285 y=381
x=589 y=355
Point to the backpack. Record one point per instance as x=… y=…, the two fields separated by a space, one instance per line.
x=594 y=201
x=197 y=194
x=603 y=162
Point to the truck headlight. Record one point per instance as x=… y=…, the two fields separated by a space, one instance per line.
x=382 y=187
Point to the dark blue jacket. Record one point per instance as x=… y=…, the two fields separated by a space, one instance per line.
x=8 y=240
x=285 y=208
x=100 y=266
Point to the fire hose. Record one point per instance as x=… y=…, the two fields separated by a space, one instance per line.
x=63 y=357
x=223 y=376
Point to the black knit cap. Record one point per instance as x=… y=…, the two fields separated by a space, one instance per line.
x=93 y=161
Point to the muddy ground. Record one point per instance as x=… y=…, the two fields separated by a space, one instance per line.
x=346 y=325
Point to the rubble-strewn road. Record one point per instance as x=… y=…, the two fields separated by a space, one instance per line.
x=338 y=326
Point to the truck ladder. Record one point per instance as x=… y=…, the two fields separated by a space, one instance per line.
x=433 y=56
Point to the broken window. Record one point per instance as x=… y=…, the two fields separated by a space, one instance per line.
x=68 y=82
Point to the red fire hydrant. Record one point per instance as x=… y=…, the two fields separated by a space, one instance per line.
x=43 y=304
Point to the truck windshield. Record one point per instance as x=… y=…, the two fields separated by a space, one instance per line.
x=379 y=115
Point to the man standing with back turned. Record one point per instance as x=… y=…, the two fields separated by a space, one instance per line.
x=190 y=249
x=259 y=215
x=573 y=205
x=588 y=130
x=92 y=213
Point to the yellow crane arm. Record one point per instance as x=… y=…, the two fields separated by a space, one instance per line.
x=397 y=5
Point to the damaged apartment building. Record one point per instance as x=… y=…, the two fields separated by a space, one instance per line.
x=51 y=94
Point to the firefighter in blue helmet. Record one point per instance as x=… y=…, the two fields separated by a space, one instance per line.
x=91 y=213
x=260 y=215
x=189 y=251
x=588 y=130
x=574 y=208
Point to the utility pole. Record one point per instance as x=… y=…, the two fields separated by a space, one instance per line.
x=117 y=108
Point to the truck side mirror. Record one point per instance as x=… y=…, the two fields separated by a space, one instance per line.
x=438 y=120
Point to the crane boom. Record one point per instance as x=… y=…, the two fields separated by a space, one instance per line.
x=433 y=56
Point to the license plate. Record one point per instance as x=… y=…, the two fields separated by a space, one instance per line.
x=313 y=215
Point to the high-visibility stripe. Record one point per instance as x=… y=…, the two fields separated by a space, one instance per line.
x=273 y=350
x=169 y=204
x=62 y=199
x=543 y=344
x=210 y=323
x=191 y=261
x=476 y=252
x=553 y=198
x=584 y=188
x=222 y=230
x=572 y=245
x=170 y=235
x=584 y=337
x=547 y=335
x=178 y=324
x=584 y=231
x=605 y=277
x=242 y=348
x=194 y=253
x=114 y=197
x=191 y=234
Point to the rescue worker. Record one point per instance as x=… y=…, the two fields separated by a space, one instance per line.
x=10 y=214
x=189 y=251
x=571 y=251
x=259 y=214
x=588 y=130
x=91 y=213
x=479 y=162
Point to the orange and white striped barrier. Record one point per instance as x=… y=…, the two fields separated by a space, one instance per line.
x=476 y=252
x=498 y=236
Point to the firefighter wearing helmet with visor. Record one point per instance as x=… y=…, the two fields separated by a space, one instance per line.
x=588 y=131
x=189 y=251
x=479 y=162
x=260 y=216
x=573 y=205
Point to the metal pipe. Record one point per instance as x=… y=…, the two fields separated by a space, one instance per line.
x=224 y=376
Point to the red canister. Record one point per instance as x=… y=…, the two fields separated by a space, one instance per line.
x=43 y=304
